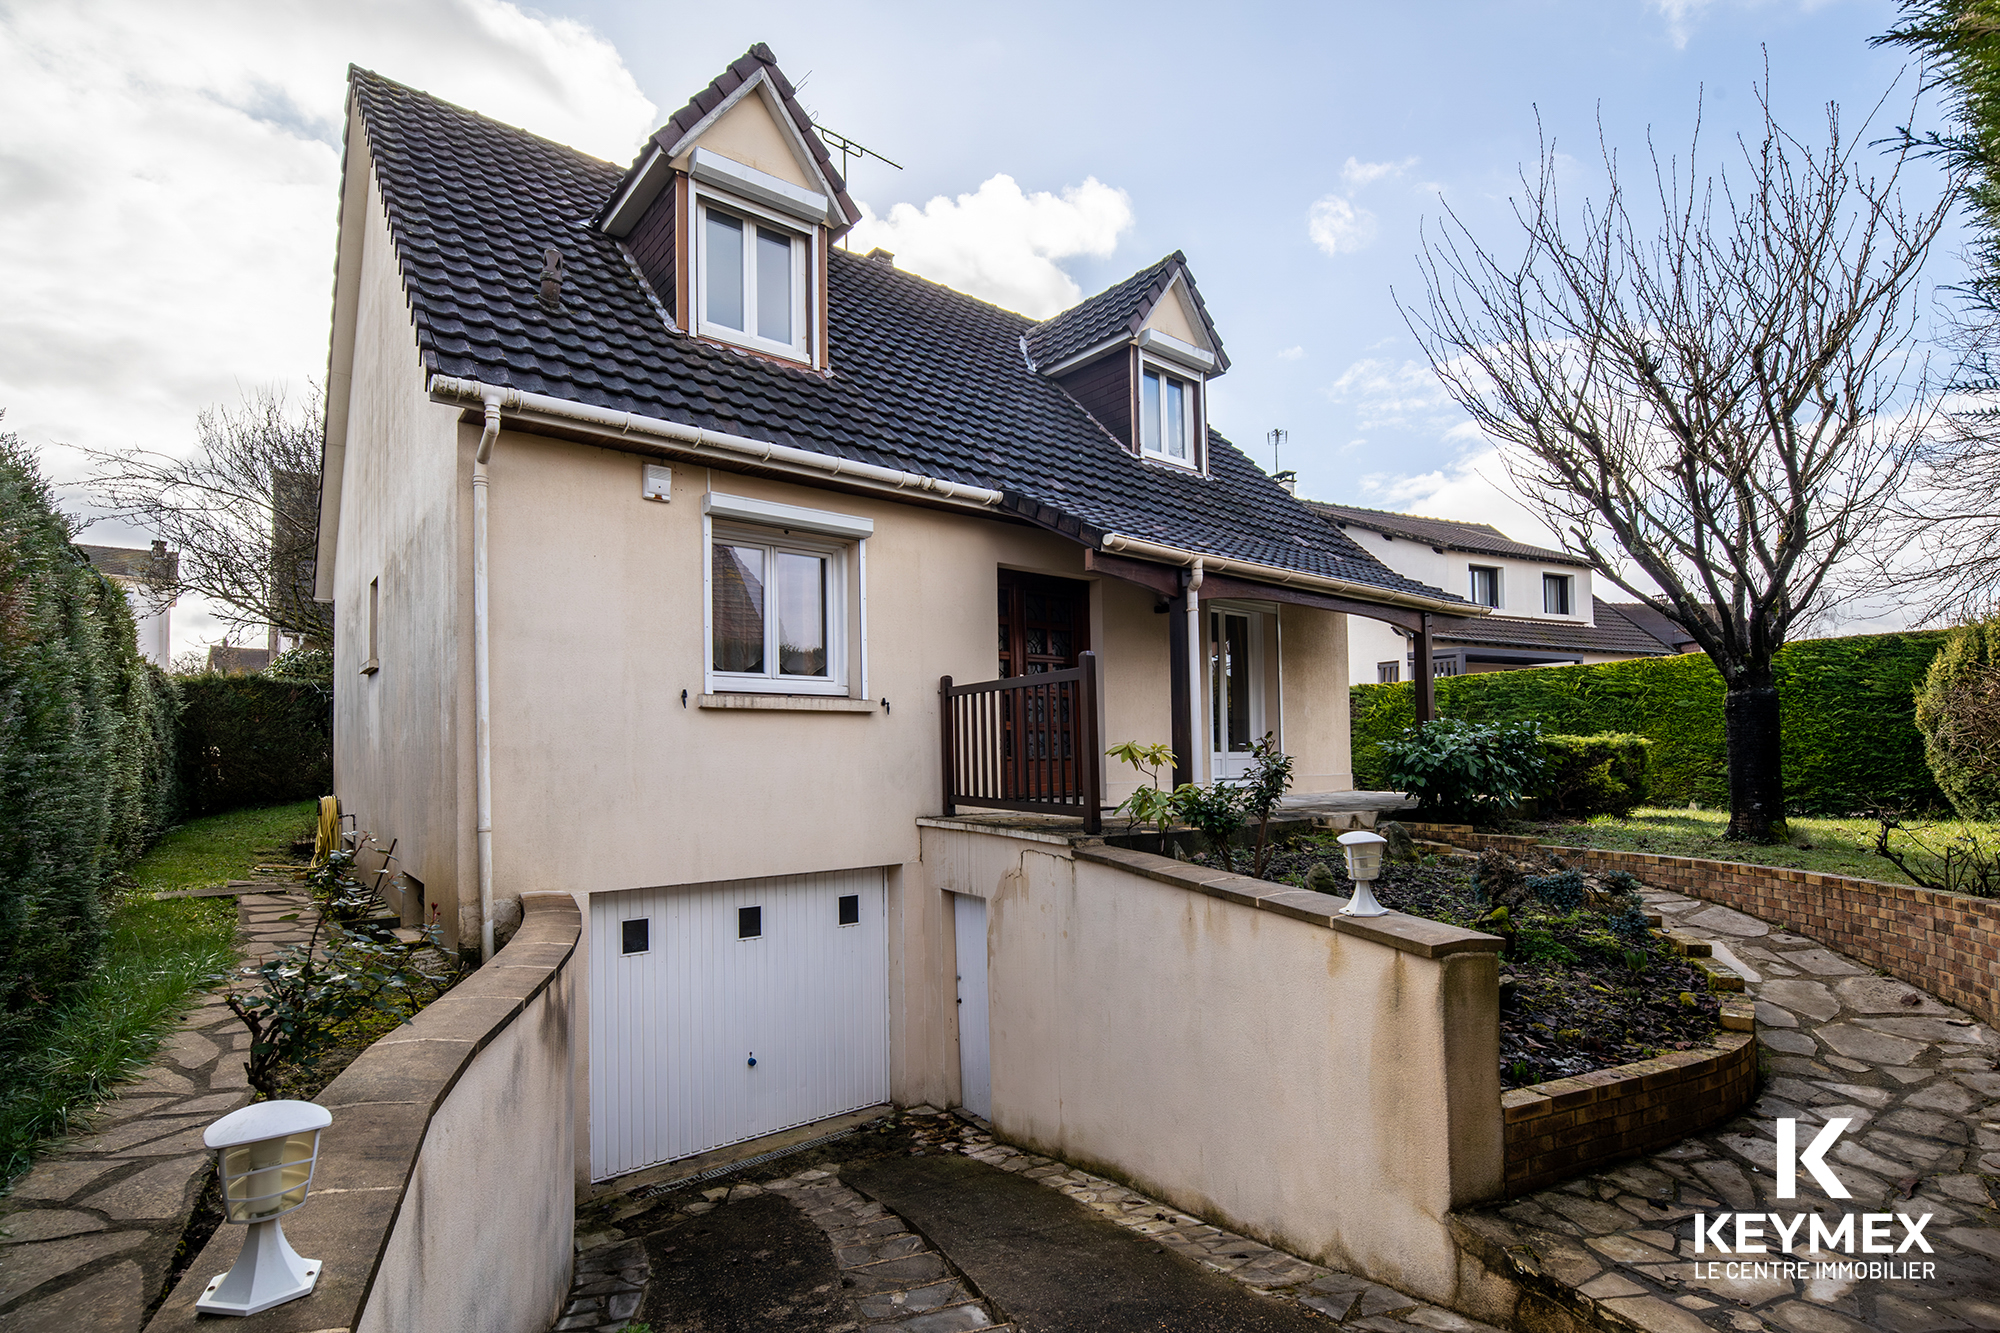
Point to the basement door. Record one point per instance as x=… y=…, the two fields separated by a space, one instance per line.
x=975 y=1043
x=722 y=1012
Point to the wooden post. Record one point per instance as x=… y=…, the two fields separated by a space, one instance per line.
x=1092 y=746
x=1180 y=687
x=944 y=732
x=1425 y=682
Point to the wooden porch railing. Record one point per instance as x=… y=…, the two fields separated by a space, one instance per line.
x=1025 y=743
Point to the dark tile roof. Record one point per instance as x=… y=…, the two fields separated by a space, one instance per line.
x=740 y=72
x=923 y=378
x=1652 y=622
x=1117 y=312
x=1477 y=538
x=132 y=562
x=1612 y=633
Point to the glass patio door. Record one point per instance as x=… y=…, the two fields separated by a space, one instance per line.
x=1235 y=689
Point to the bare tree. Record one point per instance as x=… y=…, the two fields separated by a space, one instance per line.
x=1722 y=390
x=242 y=510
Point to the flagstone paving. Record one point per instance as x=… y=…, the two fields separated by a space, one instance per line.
x=1919 y=1084
x=91 y=1231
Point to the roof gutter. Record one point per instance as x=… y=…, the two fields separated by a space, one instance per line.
x=450 y=389
x=1290 y=578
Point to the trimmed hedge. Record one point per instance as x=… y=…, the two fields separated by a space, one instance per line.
x=250 y=740
x=1849 y=738
x=86 y=751
x=1588 y=775
x=1958 y=713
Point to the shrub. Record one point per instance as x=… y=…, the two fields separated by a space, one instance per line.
x=1466 y=770
x=304 y=663
x=1850 y=742
x=1589 y=775
x=1958 y=714
x=254 y=740
x=86 y=752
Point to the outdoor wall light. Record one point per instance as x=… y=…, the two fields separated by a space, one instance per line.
x=265 y=1155
x=1364 y=863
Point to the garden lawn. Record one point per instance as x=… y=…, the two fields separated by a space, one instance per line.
x=1825 y=846
x=157 y=956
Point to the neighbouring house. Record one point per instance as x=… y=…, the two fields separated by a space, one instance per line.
x=1542 y=609
x=142 y=572
x=236 y=660
x=655 y=521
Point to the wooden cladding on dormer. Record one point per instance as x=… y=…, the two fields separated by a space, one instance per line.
x=654 y=246
x=1105 y=389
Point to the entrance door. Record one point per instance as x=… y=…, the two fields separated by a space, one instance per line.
x=975 y=1067
x=722 y=1012
x=1044 y=626
x=1235 y=689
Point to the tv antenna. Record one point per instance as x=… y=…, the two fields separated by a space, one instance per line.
x=1277 y=436
x=849 y=149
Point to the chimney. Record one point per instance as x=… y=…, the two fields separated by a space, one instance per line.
x=1288 y=480
x=881 y=256
x=159 y=549
x=552 y=276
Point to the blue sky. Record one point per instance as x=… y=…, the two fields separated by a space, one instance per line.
x=171 y=173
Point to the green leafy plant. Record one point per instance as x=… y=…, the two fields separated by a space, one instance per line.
x=1475 y=771
x=1958 y=713
x=1592 y=775
x=309 y=992
x=340 y=897
x=1270 y=777
x=1150 y=804
x=1217 y=811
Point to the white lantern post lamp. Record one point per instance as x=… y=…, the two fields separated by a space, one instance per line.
x=266 y=1154
x=1364 y=863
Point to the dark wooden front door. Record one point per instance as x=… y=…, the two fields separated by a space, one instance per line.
x=1044 y=625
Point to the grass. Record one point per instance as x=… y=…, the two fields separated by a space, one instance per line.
x=157 y=956
x=1826 y=846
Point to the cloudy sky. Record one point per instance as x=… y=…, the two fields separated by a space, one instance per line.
x=168 y=173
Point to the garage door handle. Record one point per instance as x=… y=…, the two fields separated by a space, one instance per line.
x=753 y=1062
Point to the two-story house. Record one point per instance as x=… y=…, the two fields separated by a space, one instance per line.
x=655 y=519
x=1542 y=609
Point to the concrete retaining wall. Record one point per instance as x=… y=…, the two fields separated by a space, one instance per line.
x=1326 y=1084
x=1943 y=943
x=444 y=1195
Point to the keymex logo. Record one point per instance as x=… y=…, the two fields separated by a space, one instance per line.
x=1850 y=1234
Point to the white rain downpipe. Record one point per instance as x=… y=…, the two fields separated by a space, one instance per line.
x=482 y=696
x=1197 y=678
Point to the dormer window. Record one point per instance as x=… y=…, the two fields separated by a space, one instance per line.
x=1169 y=418
x=752 y=280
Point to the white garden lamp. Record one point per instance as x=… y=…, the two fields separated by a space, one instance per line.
x=266 y=1154
x=1364 y=863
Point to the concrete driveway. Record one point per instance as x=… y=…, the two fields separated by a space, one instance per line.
x=920 y=1223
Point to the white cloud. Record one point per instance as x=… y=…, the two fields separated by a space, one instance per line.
x=171 y=175
x=1356 y=174
x=1338 y=227
x=1000 y=243
x=1389 y=393
x=1292 y=354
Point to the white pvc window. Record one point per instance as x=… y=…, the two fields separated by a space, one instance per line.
x=752 y=280
x=776 y=612
x=1485 y=590
x=1169 y=417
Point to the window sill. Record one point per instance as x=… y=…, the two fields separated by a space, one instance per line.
x=789 y=703
x=370 y=667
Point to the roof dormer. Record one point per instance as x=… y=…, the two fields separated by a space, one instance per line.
x=1138 y=358
x=728 y=213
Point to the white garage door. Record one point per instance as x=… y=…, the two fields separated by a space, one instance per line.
x=720 y=1012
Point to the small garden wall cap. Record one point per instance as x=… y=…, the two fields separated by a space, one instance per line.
x=1364 y=863
x=265 y=1155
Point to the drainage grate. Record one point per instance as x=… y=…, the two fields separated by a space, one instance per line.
x=702 y=1177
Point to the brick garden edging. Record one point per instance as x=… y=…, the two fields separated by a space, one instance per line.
x=1568 y=1126
x=1944 y=943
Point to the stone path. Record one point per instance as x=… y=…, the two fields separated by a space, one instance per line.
x=1920 y=1086
x=92 y=1230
